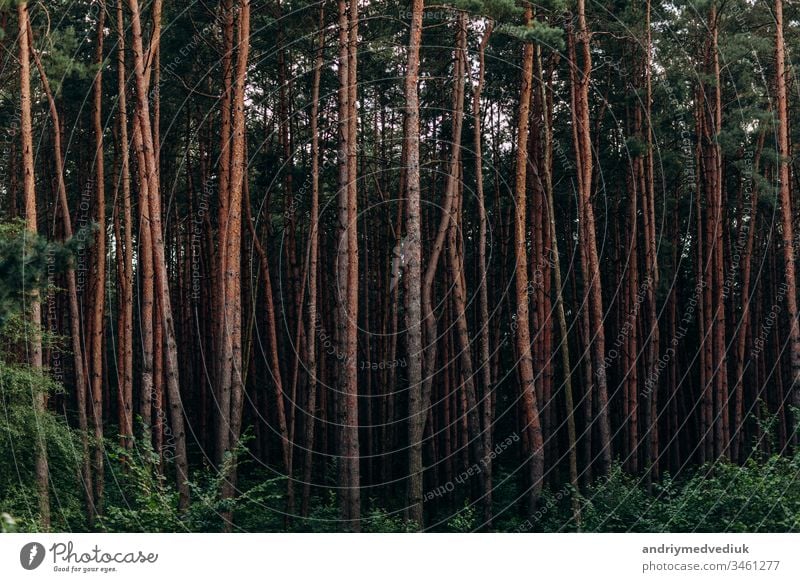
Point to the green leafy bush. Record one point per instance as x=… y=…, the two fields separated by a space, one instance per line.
x=143 y=499
x=20 y=427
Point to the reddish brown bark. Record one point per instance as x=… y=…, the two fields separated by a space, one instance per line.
x=153 y=200
x=532 y=425
x=28 y=185
x=580 y=75
x=97 y=328
x=785 y=198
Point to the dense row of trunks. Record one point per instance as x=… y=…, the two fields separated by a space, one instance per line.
x=404 y=340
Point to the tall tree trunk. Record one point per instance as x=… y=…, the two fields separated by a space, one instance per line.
x=720 y=341
x=153 y=72
x=173 y=385
x=785 y=197
x=126 y=244
x=224 y=361
x=712 y=182
x=704 y=311
x=353 y=493
x=34 y=347
x=413 y=266
x=484 y=362
x=455 y=254
x=580 y=74
x=555 y=262
x=535 y=452
x=233 y=283
x=313 y=260
x=98 y=309
x=428 y=315
x=347 y=258
x=652 y=335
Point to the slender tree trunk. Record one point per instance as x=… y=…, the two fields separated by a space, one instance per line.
x=455 y=259
x=652 y=336
x=224 y=346
x=342 y=255
x=98 y=309
x=413 y=260
x=720 y=341
x=34 y=347
x=352 y=509
x=153 y=71
x=555 y=263
x=785 y=197
x=347 y=270
x=535 y=451
x=126 y=244
x=231 y=369
x=154 y=58
x=745 y=298
x=272 y=333
x=428 y=315
x=158 y=382
x=704 y=311
x=630 y=319
x=313 y=260
x=147 y=292
x=710 y=124
x=484 y=362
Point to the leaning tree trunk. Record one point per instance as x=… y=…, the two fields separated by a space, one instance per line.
x=162 y=288
x=451 y=185
x=455 y=254
x=74 y=311
x=580 y=74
